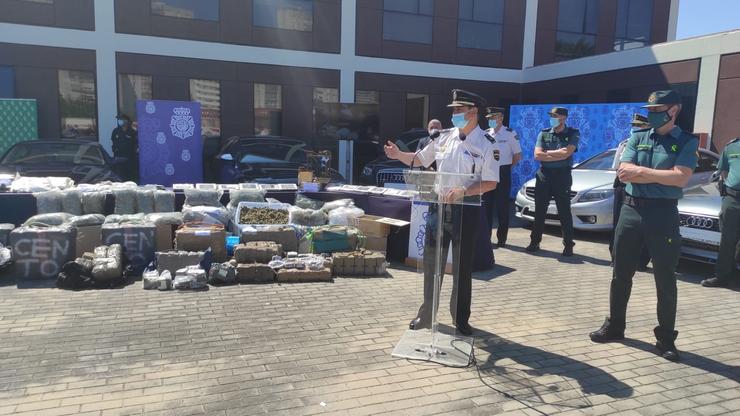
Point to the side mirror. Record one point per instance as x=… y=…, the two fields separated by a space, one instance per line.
x=716 y=176
x=227 y=157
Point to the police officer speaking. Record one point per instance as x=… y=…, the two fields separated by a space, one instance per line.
x=554 y=149
x=656 y=164
x=729 y=216
x=511 y=153
x=465 y=149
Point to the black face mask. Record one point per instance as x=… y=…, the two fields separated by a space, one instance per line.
x=659 y=119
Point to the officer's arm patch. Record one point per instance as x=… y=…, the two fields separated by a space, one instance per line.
x=496 y=154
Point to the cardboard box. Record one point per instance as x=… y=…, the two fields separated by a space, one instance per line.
x=257 y=251
x=199 y=239
x=376 y=243
x=164 y=237
x=88 y=237
x=255 y=273
x=373 y=225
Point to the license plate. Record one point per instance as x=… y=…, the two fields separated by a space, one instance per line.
x=703 y=236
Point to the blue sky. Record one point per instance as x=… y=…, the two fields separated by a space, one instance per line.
x=702 y=17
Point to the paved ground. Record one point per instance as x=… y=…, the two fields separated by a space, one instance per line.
x=326 y=348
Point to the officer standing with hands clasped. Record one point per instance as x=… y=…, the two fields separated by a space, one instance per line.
x=511 y=153
x=126 y=145
x=656 y=164
x=464 y=149
x=729 y=216
x=554 y=149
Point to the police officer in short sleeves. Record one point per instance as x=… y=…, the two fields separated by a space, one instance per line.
x=511 y=153
x=464 y=149
x=729 y=217
x=656 y=164
x=554 y=149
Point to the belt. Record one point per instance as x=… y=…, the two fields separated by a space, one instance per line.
x=732 y=192
x=649 y=202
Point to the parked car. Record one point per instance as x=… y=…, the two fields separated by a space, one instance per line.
x=84 y=161
x=699 y=213
x=264 y=159
x=592 y=193
x=382 y=171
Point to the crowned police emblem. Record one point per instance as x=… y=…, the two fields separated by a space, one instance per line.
x=150 y=108
x=182 y=124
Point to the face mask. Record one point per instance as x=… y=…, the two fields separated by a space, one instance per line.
x=493 y=123
x=554 y=122
x=458 y=120
x=120 y=123
x=658 y=119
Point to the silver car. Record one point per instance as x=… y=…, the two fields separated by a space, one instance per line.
x=592 y=192
x=699 y=213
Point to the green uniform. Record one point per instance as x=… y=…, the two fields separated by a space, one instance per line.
x=729 y=217
x=553 y=181
x=649 y=216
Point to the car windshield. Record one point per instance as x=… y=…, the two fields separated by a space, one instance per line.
x=271 y=152
x=66 y=153
x=602 y=161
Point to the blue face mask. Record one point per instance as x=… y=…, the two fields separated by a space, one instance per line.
x=554 y=122
x=120 y=123
x=493 y=124
x=458 y=120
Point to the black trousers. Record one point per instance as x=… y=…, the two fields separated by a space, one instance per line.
x=459 y=227
x=553 y=184
x=498 y=200
x=619 y=194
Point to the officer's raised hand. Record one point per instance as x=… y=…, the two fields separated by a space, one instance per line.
x=391 y=150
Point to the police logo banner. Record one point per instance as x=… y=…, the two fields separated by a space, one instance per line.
x=602 y=127
x=170 y=142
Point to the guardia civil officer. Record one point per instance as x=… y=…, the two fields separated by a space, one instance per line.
x=510 y=154
x=126 y=145
x=656 y=164
x=554 y=149
x=464 y=149
x=639 y=122
x=729 y=217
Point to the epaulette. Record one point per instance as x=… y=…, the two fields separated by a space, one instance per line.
x=509 y=129
x=489 y=138
x=547 y=129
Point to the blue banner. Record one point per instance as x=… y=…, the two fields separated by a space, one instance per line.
x=602 y=127
x=170 y=142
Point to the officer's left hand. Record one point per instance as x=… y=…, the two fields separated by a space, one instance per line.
x=453 y=195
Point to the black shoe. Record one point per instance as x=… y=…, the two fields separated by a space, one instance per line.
x=667 y=351
x=418 y=323
x=608 y=332
x=568 y=251
x=501 y=244
x=714 y=282
x=532 y=247
x=465 y=329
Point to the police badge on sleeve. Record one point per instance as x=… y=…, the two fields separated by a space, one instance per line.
x=182 y=123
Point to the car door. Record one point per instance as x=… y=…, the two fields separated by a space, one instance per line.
x=705 y=167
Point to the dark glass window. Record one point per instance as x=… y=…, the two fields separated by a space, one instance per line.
x=208 y=94
x=417 y=111
x=283 y=14
x=187 y=9
x=130 y=89
x=77 y=103
x=7 y=82
x=480 y=24
x=634 y=23
x=268 y=109
x=578 y=22
x=408 y=20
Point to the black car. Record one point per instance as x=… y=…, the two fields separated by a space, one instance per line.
x=383 y=170
x=264 y=159
x=84 y=161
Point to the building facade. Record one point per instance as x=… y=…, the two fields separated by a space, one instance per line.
x=259 y=66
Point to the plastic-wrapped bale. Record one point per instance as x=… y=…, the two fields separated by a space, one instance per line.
x=164 y=201
x=94 y=202
x=304 y=275
x=255 y=273
x=107 y=263
x=284 y=235
x=190 y=278
x=244 y=195
x=144 y=201
x=199 y=238
x=48 y=202
x=72 y=201
x=173 y=260
x=125 y=201
x=40 y=253
x=137 y=241
x=222 y=274
x=5 y=230
x=206 y=214
x=359 y=263
x=302 y=201
x=54 y=219
x=89 y=233
x=257 y=251
x=166 y=223
x=307 y=217
x=201 y=197
x=334 y=238
x=125 y=219
x=339 y=203
x=345 y=216
x=153 y=280
x=375 y=264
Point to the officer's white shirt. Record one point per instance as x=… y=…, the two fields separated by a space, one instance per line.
x=508 y=144
x=475 y=154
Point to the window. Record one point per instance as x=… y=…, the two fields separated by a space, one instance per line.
x=634 y=21
x=480 y=24
x=325 y=95
x=55 y=152
x=367 y=97
x=602 y=161
x=268 y=109
x=417 y=111
x=77 y=103
x=283 y=14
x=408 y=20
x=578 y=22
x=706 y=163
x=187 y=9
x=7 y=82
x=41 y=1
x=208 y=94
x=130 y=89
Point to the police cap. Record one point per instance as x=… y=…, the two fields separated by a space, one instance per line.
x=462 y=98
x=494 y=111
x=559 y=111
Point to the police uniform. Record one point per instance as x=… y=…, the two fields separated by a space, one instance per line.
x=649 y=216
x=553 y=181
x=126 y=144
x=455 y=153
x=508 y=145
x=729 y=217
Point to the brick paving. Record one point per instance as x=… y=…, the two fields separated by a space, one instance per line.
x=325 y=348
